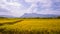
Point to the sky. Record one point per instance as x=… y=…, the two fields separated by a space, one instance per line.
x=18 y=8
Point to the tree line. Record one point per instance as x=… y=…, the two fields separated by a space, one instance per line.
x=58 y=17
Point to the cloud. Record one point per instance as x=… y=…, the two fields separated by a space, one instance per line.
x=44 y=6
x=18 y=7
x=13 y=7
x=38 y=5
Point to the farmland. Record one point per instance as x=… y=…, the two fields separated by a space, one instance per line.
x=29 y=26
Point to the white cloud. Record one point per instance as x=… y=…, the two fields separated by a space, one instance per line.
x=5 y=4
x=14 y=4
x=34 y=1
x=17 y=9
x=13 y=7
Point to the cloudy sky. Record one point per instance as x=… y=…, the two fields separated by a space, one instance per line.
x=18 y=7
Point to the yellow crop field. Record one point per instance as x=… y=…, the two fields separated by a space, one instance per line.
x=30 y=26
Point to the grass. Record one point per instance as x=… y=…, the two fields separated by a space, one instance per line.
x=30 y=26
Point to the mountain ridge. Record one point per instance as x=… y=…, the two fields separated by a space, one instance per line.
x=27 y=15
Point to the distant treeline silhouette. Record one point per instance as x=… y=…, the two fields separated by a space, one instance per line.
x=43 y=17
x=58 y=17
x=2 y=17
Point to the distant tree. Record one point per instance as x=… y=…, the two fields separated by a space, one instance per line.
x=58 y=17
x=3 y=17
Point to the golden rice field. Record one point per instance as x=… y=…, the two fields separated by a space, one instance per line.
x=29 y=26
